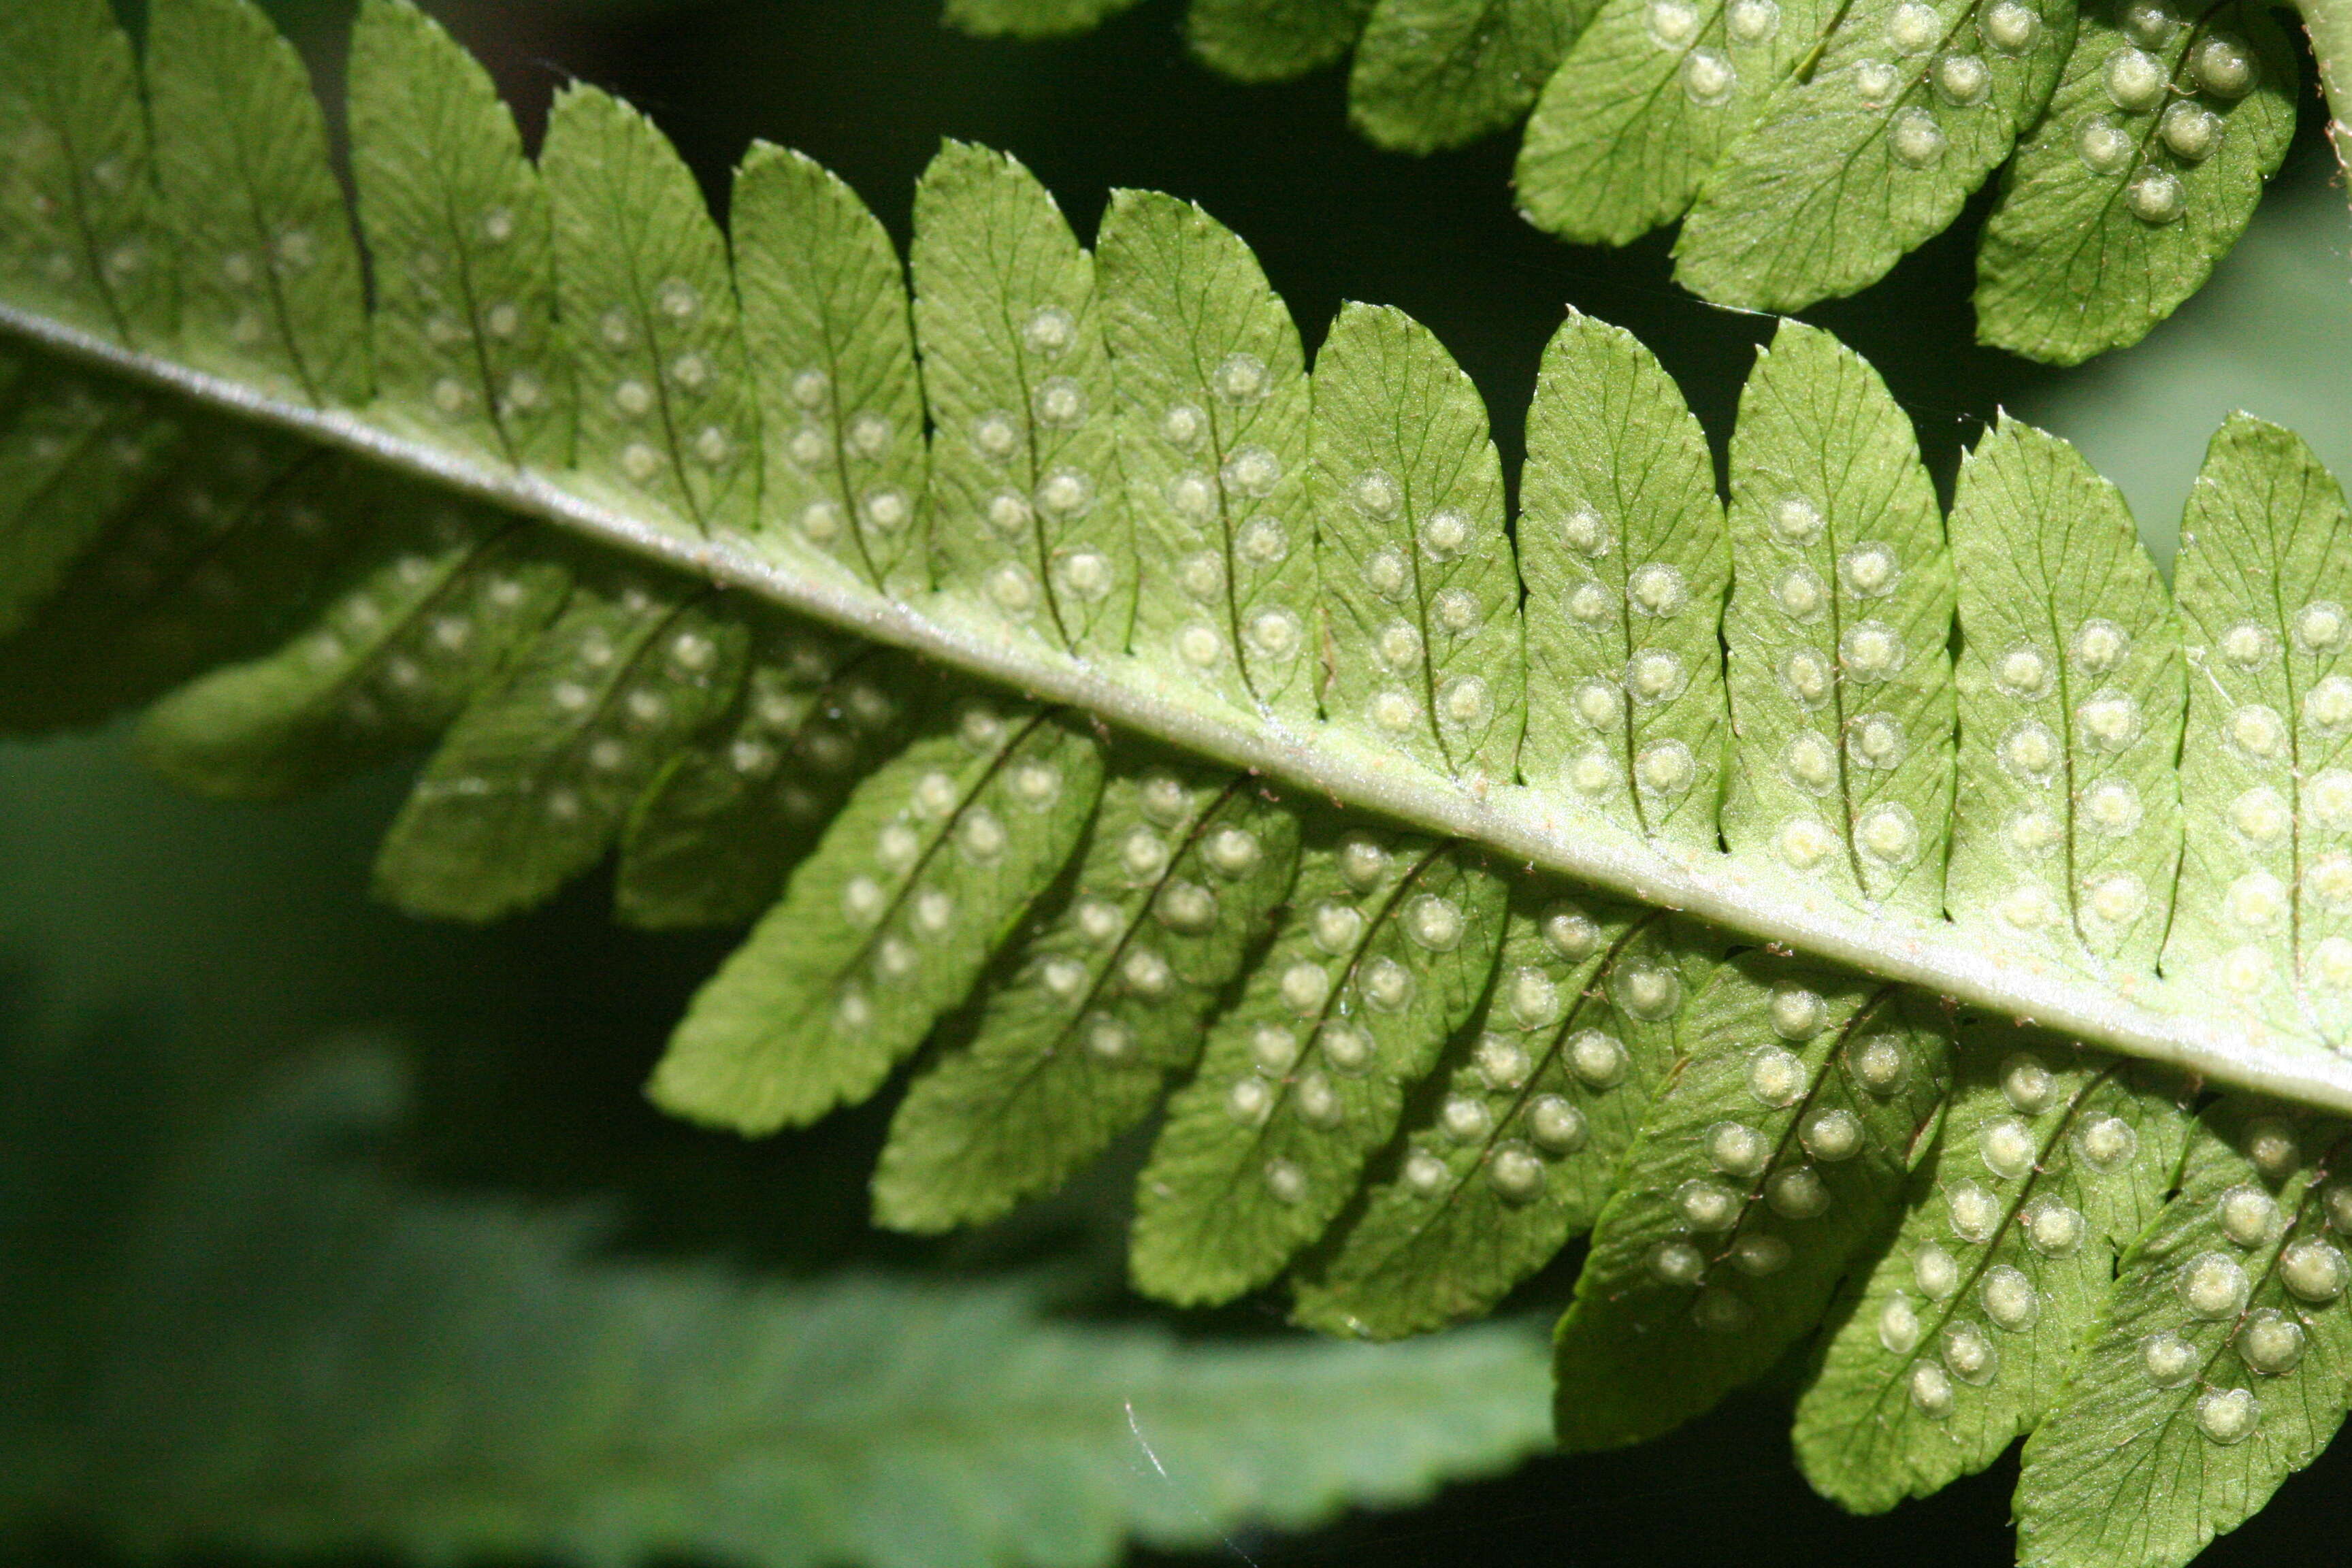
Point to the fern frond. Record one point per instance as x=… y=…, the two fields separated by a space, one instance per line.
x=534 y=778
x=1809 y=146
x=1027 y=514
x=710 y=841
x=435 y=605
x=1416 y=633
x=1109 y=712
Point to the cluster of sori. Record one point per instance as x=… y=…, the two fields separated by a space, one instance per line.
x=1806 y=147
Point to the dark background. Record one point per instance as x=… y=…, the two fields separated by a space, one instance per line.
x=535 y=1035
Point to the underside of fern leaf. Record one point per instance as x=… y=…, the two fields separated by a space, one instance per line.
x=1807 y=147
x=1097 y=712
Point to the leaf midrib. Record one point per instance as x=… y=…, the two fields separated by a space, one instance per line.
x=2136 y=1013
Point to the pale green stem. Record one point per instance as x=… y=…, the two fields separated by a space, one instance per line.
x=2165 y=1020
x=2330 y=25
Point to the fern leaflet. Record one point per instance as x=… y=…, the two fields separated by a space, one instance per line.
x=1960 y=1336
x=2221 y=1365
x=1761 y=1170
x=1809 y=146
x=1110 y=712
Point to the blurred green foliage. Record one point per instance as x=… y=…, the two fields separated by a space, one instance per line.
x=254 y=1337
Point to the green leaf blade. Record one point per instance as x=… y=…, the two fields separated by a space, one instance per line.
x=711 y=840
x=1638 y=112
x=2067 y=827
x=1515 y=1144
x=223 y=536
x=2264 y=907
x=2049 y=1162
x=2211 y=1380
x=434 y=611
x=630 y=1407
x=648 y=319
x=1419 y=588
x=1106 y=1005
x=1434 y=74
x=1271 y=40
x=85 y=239
x=535 y=778
x=1762 y=1170
x=72 y=455
x=1388 y=948
x=1627 y=564
x=270 y=280
x=935 y=858
x=833 y=358
x=151 y=602
x=1029 y=521
x=464 y=317
x=1903 y=113
x=1214 y=448
x=1029 y=18
x=1838 y=627
x=2105 y=227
